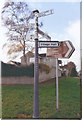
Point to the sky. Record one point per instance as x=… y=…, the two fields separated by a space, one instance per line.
x=63 y=25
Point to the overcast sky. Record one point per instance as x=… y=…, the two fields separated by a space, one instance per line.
x=63 y=25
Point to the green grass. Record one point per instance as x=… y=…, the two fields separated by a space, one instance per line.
x=17 y=100
x=81 y=101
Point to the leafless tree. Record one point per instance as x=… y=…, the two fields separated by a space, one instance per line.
x=16 y=17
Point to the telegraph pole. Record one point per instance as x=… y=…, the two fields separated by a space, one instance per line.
x=36 y=69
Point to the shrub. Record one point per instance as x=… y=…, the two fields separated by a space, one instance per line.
x=44 y=68
x=11 y=70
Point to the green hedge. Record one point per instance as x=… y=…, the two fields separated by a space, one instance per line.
x=44 y=68
x=11 y=70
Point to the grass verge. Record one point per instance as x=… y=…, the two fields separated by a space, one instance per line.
x=17 y=100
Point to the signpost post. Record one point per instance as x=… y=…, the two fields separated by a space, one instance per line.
x=36 y=14
x=36 y=91
x=57 y=95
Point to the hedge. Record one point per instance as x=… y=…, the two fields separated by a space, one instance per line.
x=12 y=70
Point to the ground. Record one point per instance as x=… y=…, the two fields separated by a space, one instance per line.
x=17 y=100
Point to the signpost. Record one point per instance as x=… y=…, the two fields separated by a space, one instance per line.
x=64 y=50
x=55 y=49
x=48 y=44
x=36 y=14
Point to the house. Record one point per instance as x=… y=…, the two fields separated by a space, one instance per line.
x=42 y=58
x=29 y=56
x=67 y=69
x=50 y=61
x=14 y=63
x=26 y=60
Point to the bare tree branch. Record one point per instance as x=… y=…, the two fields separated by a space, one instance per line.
x=16 y=16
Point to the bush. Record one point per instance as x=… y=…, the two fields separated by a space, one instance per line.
x=74 y=72
x=11 y=70
x=44 y=68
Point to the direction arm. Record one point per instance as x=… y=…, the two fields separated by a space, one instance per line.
x=44 y=34
x=45 y=13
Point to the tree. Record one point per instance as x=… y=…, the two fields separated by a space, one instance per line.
x=16 y=17
x=73 y=72
x=71 y=67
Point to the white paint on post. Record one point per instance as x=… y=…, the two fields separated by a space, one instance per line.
x=57 y=99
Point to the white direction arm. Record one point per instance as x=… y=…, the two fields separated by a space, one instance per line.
x=44 y=34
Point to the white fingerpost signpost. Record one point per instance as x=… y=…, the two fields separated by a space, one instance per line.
x=36 y=70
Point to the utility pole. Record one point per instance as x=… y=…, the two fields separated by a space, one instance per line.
x=36 y=69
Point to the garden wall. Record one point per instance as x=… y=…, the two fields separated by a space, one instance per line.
x=28 y=80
